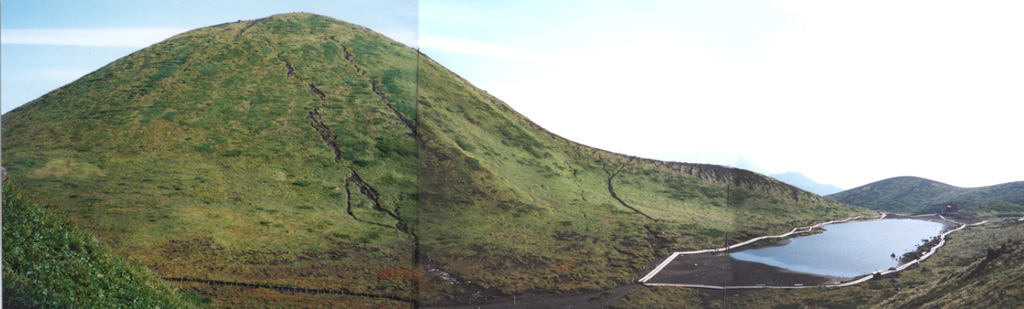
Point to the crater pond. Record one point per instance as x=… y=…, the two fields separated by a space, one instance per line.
x=847 y=249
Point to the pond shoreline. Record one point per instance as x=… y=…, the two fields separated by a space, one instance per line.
x=712 y=269
x=792 y=279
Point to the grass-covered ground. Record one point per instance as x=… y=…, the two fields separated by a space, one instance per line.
x=198 y=157
x=301 y=151
x=514 y=208
x=999 y=208
x=49 y=263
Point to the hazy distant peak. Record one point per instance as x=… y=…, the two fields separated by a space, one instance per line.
x=803 y=182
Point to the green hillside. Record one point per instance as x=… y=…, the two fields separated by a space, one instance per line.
x=302 y=152
x=998 y=208
x=47 y=262
x=915 y=195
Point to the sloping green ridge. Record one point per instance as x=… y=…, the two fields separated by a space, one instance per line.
x=298 y=150
x=998 y=208
x=918 y=195
x=47 y=262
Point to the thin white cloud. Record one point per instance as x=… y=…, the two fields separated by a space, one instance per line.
x=406 y=36
x=113 y=37
x=484 y=49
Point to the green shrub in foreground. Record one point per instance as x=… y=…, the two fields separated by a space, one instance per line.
x=48 y=262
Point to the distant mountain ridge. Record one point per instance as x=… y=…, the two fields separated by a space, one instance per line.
x=910 y=194
x=803 y=182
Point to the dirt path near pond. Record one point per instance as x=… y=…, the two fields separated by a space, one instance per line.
x=709 y=270
x=583 y=300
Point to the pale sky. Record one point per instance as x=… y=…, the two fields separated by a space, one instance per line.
x=846 y=93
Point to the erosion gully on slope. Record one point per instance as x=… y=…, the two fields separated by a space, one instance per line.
x=329 y=138
x=654 y=241
x=326 y=134
x=350 y=58
x=384 y=98
x=612 y=191
x=249 y=25
x=411 y=124
x=371 y=194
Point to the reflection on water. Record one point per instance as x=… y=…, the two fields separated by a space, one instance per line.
x=848 y=249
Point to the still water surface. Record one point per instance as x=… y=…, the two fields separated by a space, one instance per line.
x=847 y=249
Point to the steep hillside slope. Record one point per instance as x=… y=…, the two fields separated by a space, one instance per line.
x=919 y=195
x=803 y=182
x=304 y=157
x=258 y=152
x=47 y=262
